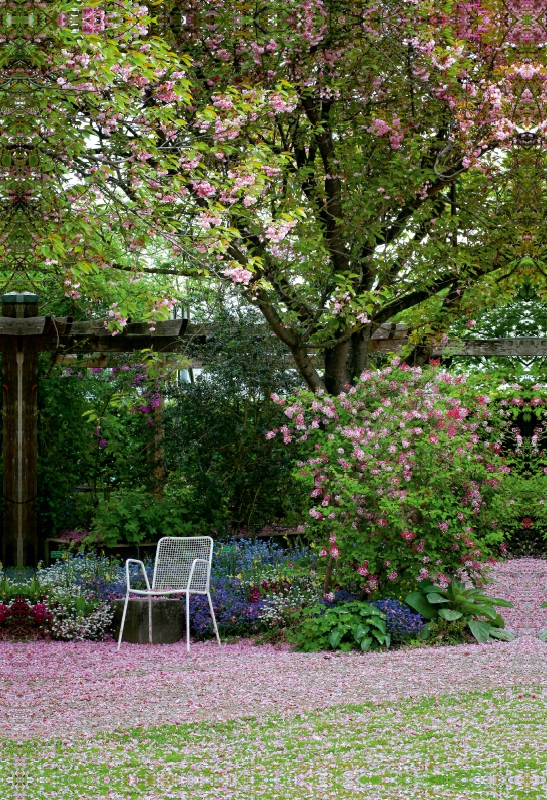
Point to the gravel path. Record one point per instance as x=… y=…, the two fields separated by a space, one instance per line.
x=64 y=689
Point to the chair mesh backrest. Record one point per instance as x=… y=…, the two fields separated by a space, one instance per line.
x=174 y=559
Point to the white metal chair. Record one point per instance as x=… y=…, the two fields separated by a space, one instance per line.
x=183 y=566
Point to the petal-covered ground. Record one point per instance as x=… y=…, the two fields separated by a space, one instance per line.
x=62 y=689
x=81 y=721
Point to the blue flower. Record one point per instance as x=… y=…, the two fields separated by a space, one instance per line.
x=401 y=622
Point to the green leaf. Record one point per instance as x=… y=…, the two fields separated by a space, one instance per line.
x=435 y=598
x=480 y=630
x=449 y=615
x=485 y=611
x=365 y=643
x=543 y=636
x=378 y=623
x=497 y=601
x=335 y=638
x=361 y=631
x=419 y=603
x=504 y=636
x=424 y=633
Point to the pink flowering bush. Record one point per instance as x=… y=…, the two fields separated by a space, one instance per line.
x=404 y=475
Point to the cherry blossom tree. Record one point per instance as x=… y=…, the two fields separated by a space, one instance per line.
x=98 y=167
x=390 y=127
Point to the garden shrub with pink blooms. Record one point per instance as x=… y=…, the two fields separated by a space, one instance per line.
x=405 y=477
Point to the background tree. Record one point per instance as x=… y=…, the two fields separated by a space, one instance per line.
x=369 y=211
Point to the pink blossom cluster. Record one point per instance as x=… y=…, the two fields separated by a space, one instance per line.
x=239 y=275
x=401 y=467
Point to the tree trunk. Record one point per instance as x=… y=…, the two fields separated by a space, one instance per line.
x=155 y=452
x=420 y=355
x=306 y=368
x=336 y=368
x=358 y=360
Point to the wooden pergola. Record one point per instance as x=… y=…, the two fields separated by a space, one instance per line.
x=23 y=335
x=391 y=338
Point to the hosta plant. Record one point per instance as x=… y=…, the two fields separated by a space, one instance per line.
x=355 y=625
x=457 y=603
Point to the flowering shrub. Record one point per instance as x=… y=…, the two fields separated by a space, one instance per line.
x=60 y=602
x=96 y=577
x=405 y=477
x=66 y=618
x=279 y=609
x=72 y=619
x=250 y=559
x=19 y=619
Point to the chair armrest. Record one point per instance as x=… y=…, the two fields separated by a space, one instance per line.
x=191 y=575
x=135 y=561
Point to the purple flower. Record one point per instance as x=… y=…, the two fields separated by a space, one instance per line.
x=401 y=622
x=103 y=443
x=234 y=613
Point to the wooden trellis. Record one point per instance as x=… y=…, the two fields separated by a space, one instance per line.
x=23 y=335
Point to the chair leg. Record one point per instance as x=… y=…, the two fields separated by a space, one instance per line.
x=213 y=616
x=123 y=620
x=149 y=620
x=187 y=622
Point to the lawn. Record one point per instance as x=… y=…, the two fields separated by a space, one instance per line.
x=488 y=745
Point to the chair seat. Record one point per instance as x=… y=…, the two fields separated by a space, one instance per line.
x=158 y=592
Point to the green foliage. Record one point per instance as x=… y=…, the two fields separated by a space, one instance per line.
x=30 y=590
x=97 y=431
x=138 y=515
x=216 y=426
x=457 y=603
x=71 y=451
x=354 y=625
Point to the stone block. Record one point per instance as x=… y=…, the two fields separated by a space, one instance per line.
x=168 y=620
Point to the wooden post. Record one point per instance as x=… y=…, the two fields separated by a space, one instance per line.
x=20 y=439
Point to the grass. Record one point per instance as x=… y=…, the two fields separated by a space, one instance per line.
x=476 y=746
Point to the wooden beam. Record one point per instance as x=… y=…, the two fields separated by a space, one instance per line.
x=526 y=347
x=111 y=344
x=168 y=327
x=20 y=436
